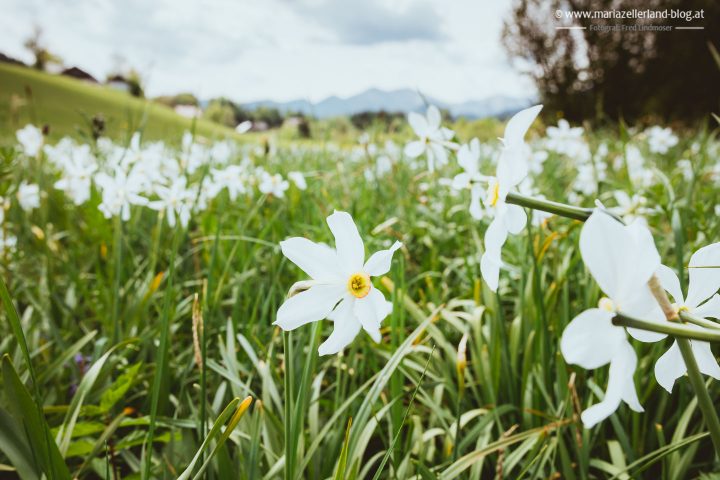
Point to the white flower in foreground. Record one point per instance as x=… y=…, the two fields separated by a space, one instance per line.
x=704 y=284
x=470 y=178
x=298 y=179
x=31 y=139
x=512 y=169
x=434 y=138
x=28 y=196
x=660 y=140
x=621 y=259
x=340 y=289
x=273 y=184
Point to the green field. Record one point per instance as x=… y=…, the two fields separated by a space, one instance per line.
x=67 y=106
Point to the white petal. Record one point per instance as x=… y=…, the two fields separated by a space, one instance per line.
x=414 y=149
x=495 y=236
x=642 y=304
x=705 y=359
x=379 y=263
x=476 y=209
x=371 y=311
x=316 y=259
x=591 y=340
x=515 y=219
x=711 y=308
x=418 y=123
x=519 y=124
x=490 y=269
x=669 y=367
x=670 y=282
x=704 y=282
x=346 y=327
x=348 y=244
x=440 y=154
x=311 y=305
x=621 y=259
x=512 y=166
x=433 y=117
x=620 y=387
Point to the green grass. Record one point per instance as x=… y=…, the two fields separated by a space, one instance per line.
x=67 y=106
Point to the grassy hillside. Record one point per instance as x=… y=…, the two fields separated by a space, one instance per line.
x=67 y=106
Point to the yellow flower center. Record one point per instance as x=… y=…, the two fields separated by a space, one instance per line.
x=359 y=284
x=607 y=305
x=494 y=194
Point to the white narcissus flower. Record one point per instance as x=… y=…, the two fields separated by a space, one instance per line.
x=176 y=200
x=469 y=159
x=434 y=138
x=31 y=139
x=28 y=196
x=273 y=184
x=340 y=289
x=704 y=284
x=512 y=169
x=622 y=259
x=660 y=140
x=119 y=192
x=243 y=127
x=298 y=179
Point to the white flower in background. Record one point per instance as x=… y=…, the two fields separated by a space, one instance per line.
x=273 y=184
x=434 y=138
x=564 y=139
x=469 y=159
x=637 y=171
x=537 y=161
x=631 y=208
x=31 y=139
x=119 y=192
x=512 y=169
x=686 y=168
x=341 y=289
x=7 y=242
x=704 y=284
x=717 y=210
x=78 y=170
x=660 y=140
x=28 y=196
x=176 y=201
x=621 y=259
x=244 y=127
x=298 y=179
x=232 y=177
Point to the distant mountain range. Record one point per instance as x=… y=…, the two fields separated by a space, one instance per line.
x=403 y=100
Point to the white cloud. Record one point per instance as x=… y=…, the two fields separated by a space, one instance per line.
x=280 y=49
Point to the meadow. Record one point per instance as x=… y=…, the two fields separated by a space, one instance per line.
x=142 y=279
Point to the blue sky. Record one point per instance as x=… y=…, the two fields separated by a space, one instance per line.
x=280 y=49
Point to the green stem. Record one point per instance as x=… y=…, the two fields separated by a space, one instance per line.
x=117 y=279
x=562 y=209
x=690 y=318
x=704 y=401
x=674 y=329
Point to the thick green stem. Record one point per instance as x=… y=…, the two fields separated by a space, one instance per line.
x=562 y=209
x=674 y=329
x=704 y=401
x=702 y=322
